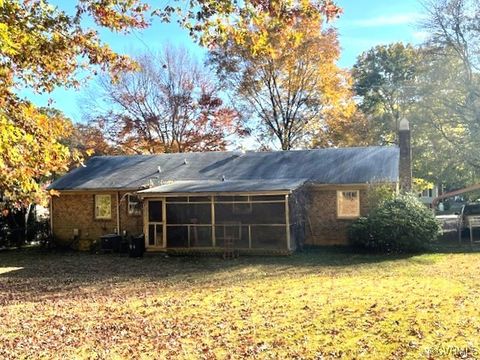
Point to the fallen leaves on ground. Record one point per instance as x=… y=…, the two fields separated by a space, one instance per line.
x=321 y=305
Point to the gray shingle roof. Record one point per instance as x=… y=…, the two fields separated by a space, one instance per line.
x=209 y=186
x=280 y=168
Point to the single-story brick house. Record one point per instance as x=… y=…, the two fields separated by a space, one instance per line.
x=263 y=200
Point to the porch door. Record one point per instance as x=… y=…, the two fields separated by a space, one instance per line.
x=155 y=220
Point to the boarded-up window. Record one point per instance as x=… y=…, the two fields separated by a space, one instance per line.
x=134 y=205
x=103 y=207
x=348 y=204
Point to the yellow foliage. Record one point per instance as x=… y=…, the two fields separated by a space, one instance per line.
x=288 y=73
x=41 y=47
x=422 y=184
x=30 y=151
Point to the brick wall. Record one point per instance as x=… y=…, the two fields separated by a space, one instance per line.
x=322 y=224
x=76 y=211
x=133 y=224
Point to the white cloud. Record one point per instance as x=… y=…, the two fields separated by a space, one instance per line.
x=384 y=20
x=420 y=35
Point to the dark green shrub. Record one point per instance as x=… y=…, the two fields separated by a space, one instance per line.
x=401 y=224
x=378 y=192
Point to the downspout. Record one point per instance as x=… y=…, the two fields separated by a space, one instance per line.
x=212 y=210
x=287 y=221
x=51 y=215
x=118 y=214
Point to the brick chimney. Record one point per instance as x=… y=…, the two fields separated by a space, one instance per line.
x=405 y=165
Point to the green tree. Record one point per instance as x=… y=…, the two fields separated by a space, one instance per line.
x=454 y=41
x=442 y=142
x=427 y=85
x=384 y=78
x=398 y=224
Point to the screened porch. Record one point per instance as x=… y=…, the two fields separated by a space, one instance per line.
x=202 y=221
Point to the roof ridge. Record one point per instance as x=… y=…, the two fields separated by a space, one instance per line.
x=239 y=152
x=172 y=154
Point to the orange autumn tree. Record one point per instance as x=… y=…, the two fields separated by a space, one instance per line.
x=279 y=60
x=42 y=47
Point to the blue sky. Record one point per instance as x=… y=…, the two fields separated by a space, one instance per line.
x=363 y=24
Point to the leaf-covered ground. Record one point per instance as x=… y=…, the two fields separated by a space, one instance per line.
x=319 y=305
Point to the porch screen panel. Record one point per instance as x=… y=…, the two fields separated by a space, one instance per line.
x=189 y=222
x=155 y=211
x=262 y=220
x=268 y=237
x=256 y=222
x=251 y=212
x=241 y=235
x=181 y=236
x=189 y=213
x=200 y=236
x=151 y=235
x=177 y=236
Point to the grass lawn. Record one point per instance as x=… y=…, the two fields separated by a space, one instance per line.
x=320 y=305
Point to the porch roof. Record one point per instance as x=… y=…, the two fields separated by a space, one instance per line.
x=227 y=186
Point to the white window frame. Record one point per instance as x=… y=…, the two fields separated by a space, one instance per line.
x=134 y=208
x=97 y=202
x=339 y=199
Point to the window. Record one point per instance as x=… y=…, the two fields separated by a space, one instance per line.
x=348 y=204
x=426 y=193
x=103 y=207
x=134 y=205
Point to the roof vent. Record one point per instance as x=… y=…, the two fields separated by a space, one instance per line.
x=223 y=177
x=185 y=161
x=159 y=169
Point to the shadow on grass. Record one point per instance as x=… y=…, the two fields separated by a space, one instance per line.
x=38 y=272
x=35 y=275
x=43 y=262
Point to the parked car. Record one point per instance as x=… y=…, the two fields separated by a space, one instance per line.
x=467 y=211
